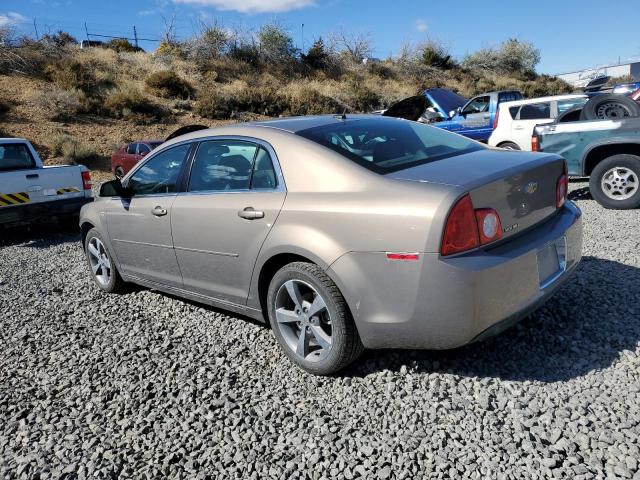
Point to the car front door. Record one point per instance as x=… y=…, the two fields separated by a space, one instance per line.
x=476 y=118
x=140 y=227
x=233 y=197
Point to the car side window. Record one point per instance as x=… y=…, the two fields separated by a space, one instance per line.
x=160 y=173
x=142 y=149
x=535 y=111
x=477 y=105
x=131 y=148
x=222 y=165
x=564 y=105
x=264 y=175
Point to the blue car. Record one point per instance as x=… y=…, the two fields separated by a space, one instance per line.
x=475 y=118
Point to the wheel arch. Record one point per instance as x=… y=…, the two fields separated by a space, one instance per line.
x=600 y=152
x=85 y=227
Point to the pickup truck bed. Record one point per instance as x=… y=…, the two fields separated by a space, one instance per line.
x=607 y=151
x=30 y=191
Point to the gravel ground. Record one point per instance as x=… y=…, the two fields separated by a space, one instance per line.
x=144 y=385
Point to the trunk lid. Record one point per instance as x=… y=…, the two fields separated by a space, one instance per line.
x=520 y=186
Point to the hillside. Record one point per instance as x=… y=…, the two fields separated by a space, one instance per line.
x=78 y=105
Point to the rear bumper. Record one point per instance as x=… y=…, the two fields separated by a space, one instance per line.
x=440 y=303
x=43 y=210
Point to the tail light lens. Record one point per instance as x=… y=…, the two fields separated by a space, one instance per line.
x=86 y=180
x=495 y=120
x=468 y=228
x=489 y=225
x=562 y=187
x=535 y=146
x=461 y=229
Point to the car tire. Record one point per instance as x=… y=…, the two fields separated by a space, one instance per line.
x=106 y=274
x=610 y=106
x=509 y=146
x=571 y=115
x=615 y=182
x=119 y=172
x=330 y=340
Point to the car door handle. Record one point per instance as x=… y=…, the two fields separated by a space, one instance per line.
x=518 y=128
x=250 y=214
x=158 y=211
x=32 y=175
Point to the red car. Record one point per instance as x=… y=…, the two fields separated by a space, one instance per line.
x=128 y=155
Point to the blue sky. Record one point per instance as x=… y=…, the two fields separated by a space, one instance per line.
x=571 y=34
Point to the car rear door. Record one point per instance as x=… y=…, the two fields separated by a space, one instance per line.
x=234 y=195
x=140 y=227
x=525 y=121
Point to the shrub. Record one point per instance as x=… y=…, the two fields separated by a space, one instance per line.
x=122 y=45
x=307 y=101
x=72 y=149
x=4 y=107
x=59 y=39
x=70 y=74
x=213 y=103
x=167 y=84
x=169 y=49
x=60 y=104
x=363 y=99
x=129 y=102
x=512 y=56
x=435 y=54
x=211 y=43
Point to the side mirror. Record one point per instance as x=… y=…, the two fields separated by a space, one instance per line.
x=453 y=113
x=114 y=188
x=143 y=154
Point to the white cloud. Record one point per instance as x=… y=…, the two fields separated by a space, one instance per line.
x=252 y=6
x=11 y=18
x=421 y=25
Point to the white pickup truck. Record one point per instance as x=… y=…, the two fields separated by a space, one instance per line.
x=30 y=191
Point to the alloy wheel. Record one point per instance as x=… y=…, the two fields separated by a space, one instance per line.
x=303 y=320
x=99 y=261
x=620 y=183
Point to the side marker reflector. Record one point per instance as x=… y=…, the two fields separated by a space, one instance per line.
x=403 y=256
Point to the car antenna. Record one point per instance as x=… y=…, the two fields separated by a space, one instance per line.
x=343 y=116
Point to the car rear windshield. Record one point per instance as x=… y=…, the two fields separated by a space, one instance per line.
x=385 y=145
x=15 y=156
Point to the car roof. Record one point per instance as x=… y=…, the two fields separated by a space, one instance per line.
x=13 y=140
x=528 y=101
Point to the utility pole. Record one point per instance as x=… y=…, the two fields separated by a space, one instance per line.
x=302 y=37
x=135 y=35
x=86 y=30
x=35 y=27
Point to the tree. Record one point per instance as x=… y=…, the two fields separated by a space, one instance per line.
x=317 y=56
x=275 y=43
x=357 y=46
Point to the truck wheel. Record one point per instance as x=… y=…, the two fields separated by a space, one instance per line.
x=103 y=268
x=509 y=146
x=610 y=106
x=311 y=320
x=615 y=182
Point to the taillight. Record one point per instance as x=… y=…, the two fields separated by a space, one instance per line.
x=461 y=229
x=495 y=120
x=489 y=225
x=86 y=180
x=562 y=187
x=468 y=228
x=535 y=146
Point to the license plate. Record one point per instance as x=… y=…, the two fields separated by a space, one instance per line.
x=552 y=261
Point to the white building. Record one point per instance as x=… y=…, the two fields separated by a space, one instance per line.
x=582 y=77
